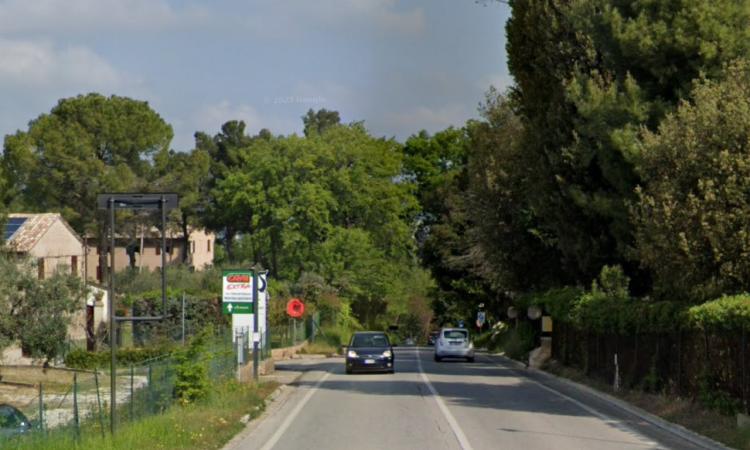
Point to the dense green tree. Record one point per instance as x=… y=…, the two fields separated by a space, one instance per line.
x=187 y=175
x=86 y=145
x=36 y=313
x=318 y=121
x=544 y=48
x=691 y=218
x=588 y=75
x=330 y=203
x=507 y=246
x=437 y=164
x=224 y=150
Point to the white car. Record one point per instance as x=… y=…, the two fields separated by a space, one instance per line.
x=454 y=343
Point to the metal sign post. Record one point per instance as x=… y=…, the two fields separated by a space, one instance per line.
x=256 y=332
x=112 y=201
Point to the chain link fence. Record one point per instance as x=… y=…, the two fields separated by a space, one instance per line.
x=296 y=331
x=64 y=404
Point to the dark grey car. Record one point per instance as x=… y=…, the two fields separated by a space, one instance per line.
x=369 y=351
x=12 y=422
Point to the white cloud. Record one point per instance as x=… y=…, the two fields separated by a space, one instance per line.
x=430 y=119
x=49 y=16
x=210 y=118
x=501 y=81
x=381 y=12
x=286 y=18
x=328 y=95
x=41 y=64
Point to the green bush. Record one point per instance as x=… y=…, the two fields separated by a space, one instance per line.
x=82 y=359
x=516 y=342
x=493 y=338
x=519 y=341
x=191 y=371
x=713 y=397
x=558 y=303
x=608 y=308
x=728 y=313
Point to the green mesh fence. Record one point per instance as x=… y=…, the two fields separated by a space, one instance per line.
x=294 y=332
x=62 y=404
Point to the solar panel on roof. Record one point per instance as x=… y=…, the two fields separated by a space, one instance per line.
x=12 y=225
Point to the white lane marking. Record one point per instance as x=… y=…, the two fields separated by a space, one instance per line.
x=290 y=418
x=457 y=431
x=583 y=406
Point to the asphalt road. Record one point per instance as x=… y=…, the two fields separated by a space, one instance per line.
x=488 y=404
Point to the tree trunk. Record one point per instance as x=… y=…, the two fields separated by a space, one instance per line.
x=102 y=250
x=228 y=242
x=140 y=253
x=274 y=254
x=186 y=239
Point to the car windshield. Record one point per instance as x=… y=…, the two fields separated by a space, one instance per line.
x=455 y=334
x=370 y=340
x=10 y=418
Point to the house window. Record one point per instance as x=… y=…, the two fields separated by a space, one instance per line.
x=99 y=273
x=209 y=245
x=74 y=265
x=158 y=249
x=40 y=268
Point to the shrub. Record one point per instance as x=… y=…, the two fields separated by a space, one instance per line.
x=191 y=371
x=728 y=313
x=82 y=359
x=492 y=339
x=519 y=341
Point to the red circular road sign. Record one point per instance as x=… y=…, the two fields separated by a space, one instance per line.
x=295 y=308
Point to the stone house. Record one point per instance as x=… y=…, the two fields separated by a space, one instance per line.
x=143 y=251
x=49 y=241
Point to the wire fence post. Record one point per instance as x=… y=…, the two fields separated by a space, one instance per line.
x=99 y=402
x=76 y=417
x=150 y=390
x=183 y=319
x=132 y=397
x=41 y=407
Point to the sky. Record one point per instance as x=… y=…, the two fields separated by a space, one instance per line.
x=398 y=65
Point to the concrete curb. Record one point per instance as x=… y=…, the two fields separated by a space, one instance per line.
x=657 y=421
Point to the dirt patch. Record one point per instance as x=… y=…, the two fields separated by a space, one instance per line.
x=58 y=399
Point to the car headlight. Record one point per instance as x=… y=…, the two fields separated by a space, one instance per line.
x=351 y=354
x=471 y=345
x=387 y=354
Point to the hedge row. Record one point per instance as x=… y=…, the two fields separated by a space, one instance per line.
x=82 y=359
x=601 y=312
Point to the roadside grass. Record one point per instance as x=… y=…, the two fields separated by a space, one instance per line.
x=682 y=411
x=205 y=425
x=319 y=348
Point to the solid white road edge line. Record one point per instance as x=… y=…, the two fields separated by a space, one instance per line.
x=457 y=431
x=584 y=406
x=290 y=418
